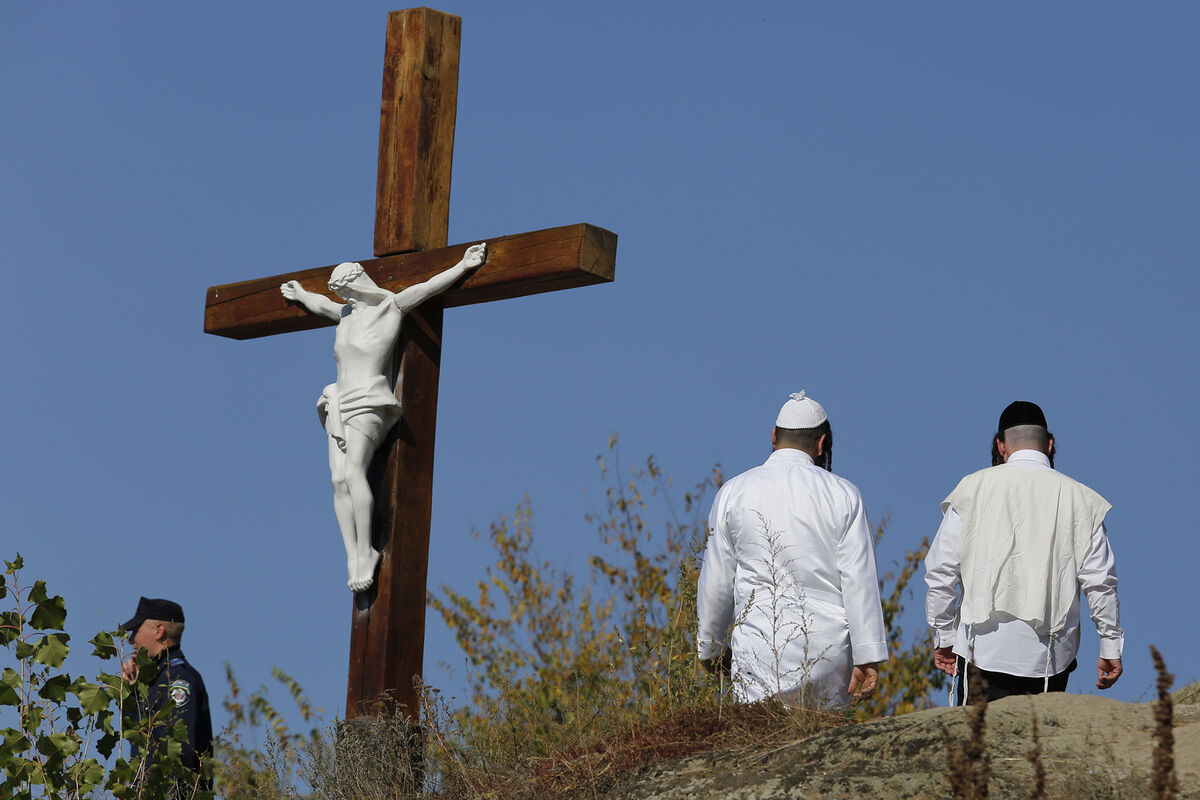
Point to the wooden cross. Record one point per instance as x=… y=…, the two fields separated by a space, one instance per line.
x=416 y=144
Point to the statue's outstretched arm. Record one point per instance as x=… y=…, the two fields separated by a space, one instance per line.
x=418 y=293
x=311 y=301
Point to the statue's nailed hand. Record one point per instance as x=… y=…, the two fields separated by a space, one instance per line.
x=475 y=256
x=291 y=290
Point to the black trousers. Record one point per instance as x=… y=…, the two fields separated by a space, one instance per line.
x=1001 y=684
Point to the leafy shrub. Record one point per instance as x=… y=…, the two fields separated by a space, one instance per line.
x=64 y=734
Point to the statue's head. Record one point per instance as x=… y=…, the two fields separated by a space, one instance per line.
x=350 y=277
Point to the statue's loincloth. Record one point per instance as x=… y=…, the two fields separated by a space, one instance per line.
x=371 y=410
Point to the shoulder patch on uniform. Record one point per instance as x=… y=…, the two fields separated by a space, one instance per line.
x=180 y=692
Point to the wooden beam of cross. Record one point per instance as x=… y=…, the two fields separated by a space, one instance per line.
x=416 y=143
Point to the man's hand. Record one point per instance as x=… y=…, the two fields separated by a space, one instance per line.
x=945 y=660
x=723 y=664
x=863 y=679
x=129 y=669
x=1107 y=672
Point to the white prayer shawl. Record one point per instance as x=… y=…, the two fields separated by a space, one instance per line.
x=789 y=582
x=1025 y=534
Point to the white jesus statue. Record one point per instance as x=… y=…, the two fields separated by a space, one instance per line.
x=362 y=406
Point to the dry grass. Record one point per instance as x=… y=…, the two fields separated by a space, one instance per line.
x=369 y=758
x=388 y=758
x=593 y=767
x=683 y=733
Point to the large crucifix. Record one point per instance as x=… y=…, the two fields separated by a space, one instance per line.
x=416 y=144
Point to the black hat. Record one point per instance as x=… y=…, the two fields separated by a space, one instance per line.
x=1022 y=412
x=153 y=608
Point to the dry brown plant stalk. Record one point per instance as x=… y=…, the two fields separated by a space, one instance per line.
x=1034 y=756
x=976 y=750
x=969 y=765
x=958 y=770
x=1164 y=782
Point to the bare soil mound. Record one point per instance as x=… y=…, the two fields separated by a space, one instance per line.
x=1092 y=748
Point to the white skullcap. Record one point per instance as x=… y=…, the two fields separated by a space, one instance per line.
x=800 y=412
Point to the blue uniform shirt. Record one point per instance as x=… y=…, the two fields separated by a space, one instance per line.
x=178 y=681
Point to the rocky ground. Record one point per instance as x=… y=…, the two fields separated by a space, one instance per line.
x=1093 y=748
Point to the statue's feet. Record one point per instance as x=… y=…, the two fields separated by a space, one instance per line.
x=363 y=575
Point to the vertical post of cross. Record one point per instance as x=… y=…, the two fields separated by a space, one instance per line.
x=412 y=207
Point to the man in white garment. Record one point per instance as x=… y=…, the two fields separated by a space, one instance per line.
x=788 y=587
x=1016 y=544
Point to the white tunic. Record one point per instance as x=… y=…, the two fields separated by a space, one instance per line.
x=790 y=566
x=1009 y=645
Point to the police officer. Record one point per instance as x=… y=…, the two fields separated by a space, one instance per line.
x=157 y=626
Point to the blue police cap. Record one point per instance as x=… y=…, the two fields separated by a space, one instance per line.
x=153 y=608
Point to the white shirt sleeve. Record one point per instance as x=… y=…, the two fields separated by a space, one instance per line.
x=1098 y=579
x=714 y=591
x=860 y=588
x=943 y=566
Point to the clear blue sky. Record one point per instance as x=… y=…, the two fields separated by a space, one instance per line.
x=918 y=213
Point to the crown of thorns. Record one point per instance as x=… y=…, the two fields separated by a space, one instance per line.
x=344 y=275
